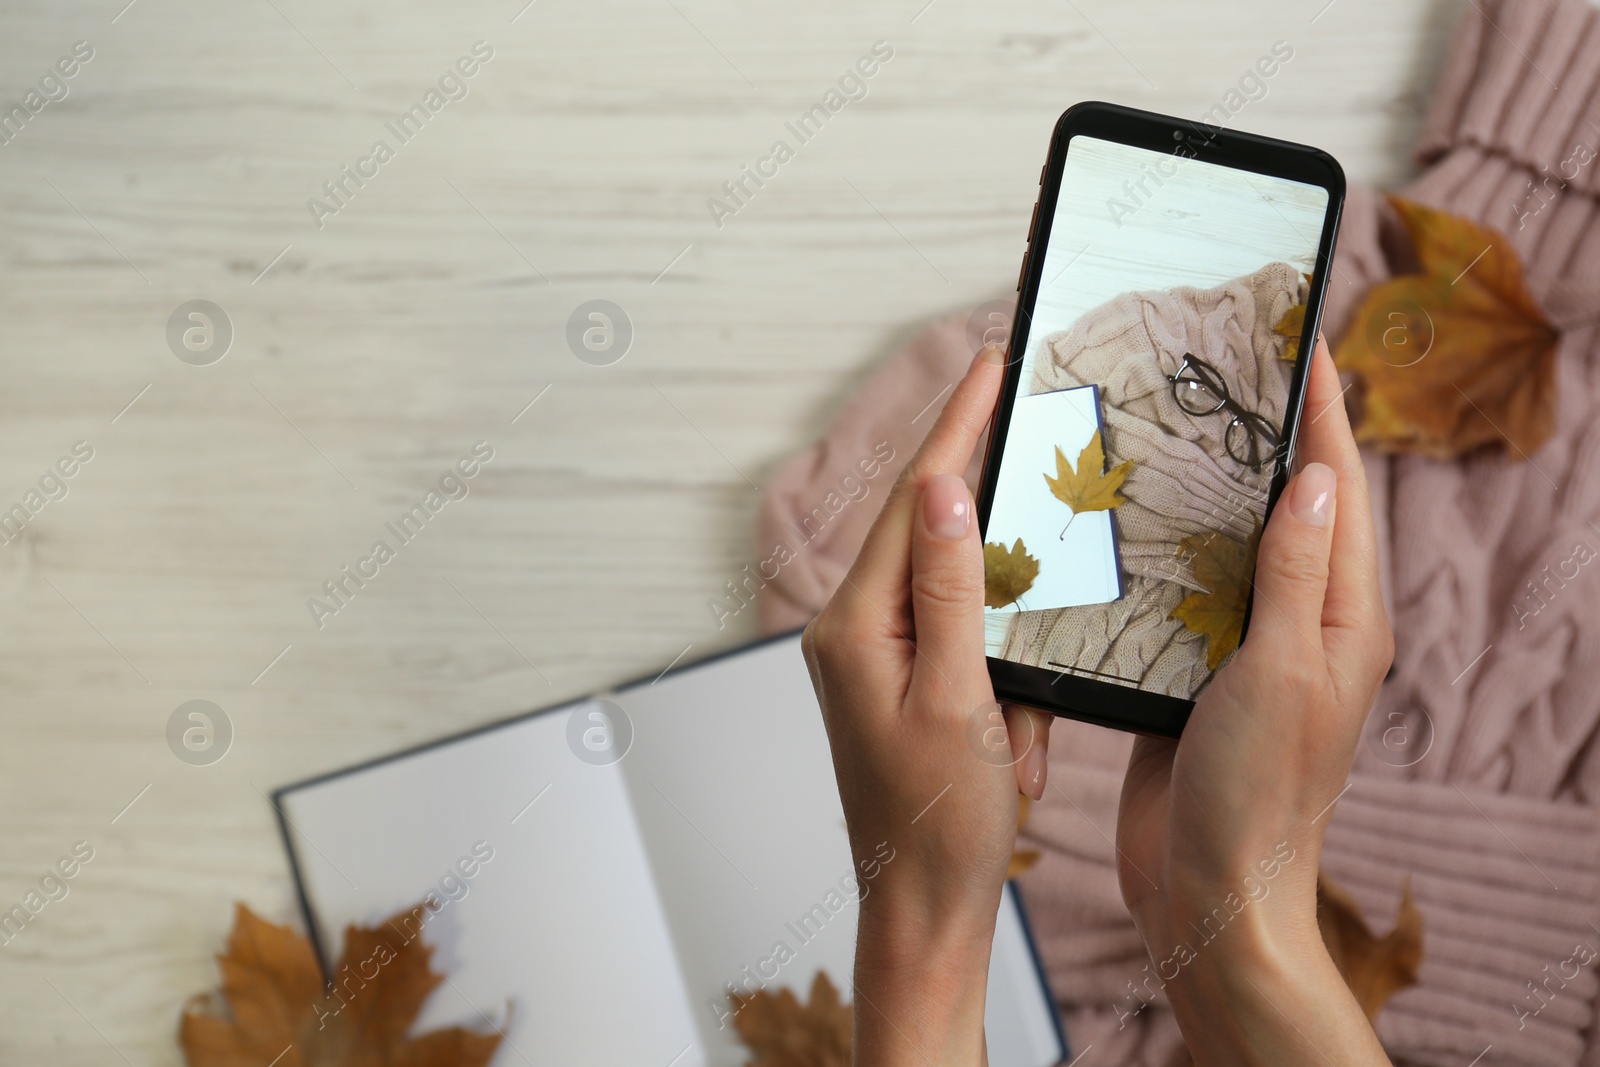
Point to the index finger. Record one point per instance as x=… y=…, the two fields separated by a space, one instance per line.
x=1353 y=601
x=882 y=570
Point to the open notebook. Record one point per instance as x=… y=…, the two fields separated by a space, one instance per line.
x=612 y=901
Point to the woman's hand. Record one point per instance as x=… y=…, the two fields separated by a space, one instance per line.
x=898 y=663
x=1220 y=834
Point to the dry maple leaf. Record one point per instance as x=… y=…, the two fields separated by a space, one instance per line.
x=1292 y=325
x=1375 y=968
x=1007 y=573
x=1022 y=859
x=782 y=1032
x=1224 y=567
x=1457 y=357
x=1088 y=487
x=274 y=1007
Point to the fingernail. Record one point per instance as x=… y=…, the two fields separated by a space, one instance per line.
x=1032 y=777
x=1312 y=499
x=992 y=353
x=947 y=507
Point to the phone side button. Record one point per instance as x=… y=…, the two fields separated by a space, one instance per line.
x=1033 y=221
x=1022 y=271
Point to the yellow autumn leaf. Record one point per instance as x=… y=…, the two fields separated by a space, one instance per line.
x=1088 y=486
x=1292 y=325
x=1007 y=573
x=1022 y=859
x=1224 y=567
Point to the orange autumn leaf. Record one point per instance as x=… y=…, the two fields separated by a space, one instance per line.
x=1224 y=567
x=1458 y=356
x=1375 y=968
x=782 y=1032
x=273 y=1006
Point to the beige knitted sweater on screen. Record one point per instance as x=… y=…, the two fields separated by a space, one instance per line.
x=1183 y=483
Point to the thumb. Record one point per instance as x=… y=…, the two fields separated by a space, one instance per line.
x=1292 y=566
x=947 y=591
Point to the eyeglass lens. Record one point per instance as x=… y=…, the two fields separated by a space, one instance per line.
x=1199 y=390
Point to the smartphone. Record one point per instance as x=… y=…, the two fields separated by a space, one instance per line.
x=1167 y=308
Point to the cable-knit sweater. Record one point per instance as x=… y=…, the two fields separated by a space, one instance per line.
x=1480 y=775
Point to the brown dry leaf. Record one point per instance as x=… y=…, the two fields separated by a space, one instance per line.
x=1375 y=968
x=1457 y=357
x=1022 y=859
x=782 y=1032
x=1089 y=487
x=1225 y=568
x=1291 y=326
x=1007 y=573
x=274 y=1008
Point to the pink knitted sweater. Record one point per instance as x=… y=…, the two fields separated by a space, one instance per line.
x=1480 y=778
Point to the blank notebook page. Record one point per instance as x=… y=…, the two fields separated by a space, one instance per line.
x=619 y=906
x=564 y=923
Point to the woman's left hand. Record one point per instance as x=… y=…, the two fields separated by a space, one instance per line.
x=924 y=765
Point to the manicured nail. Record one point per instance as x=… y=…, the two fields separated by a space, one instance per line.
x=947 y=507
x=1312 y=499
x=1032 y=767
x=993 y=353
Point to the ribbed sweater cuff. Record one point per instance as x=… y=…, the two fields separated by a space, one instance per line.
x=1522 y=81
x=1508 y=889
x=1507 y=886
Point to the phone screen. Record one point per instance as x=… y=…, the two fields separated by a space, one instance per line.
x=1142 y=440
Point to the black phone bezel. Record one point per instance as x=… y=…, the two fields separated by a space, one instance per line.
x=1112 y=704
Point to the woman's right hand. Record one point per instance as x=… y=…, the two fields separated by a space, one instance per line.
x=1219 y=834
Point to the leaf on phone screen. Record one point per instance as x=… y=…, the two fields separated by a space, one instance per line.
x=1292 y=325
x=782 y=1032
x=1224 y=567
x=1088 y=486
x=1458 y=356
x=274 y=1008
x=1007 y=573
x=1375 y=968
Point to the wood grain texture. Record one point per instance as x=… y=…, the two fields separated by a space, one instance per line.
x=422 y=318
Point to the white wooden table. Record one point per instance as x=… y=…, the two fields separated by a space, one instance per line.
x=425 y=315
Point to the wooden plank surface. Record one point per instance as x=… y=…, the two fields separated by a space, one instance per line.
x=371 y=353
